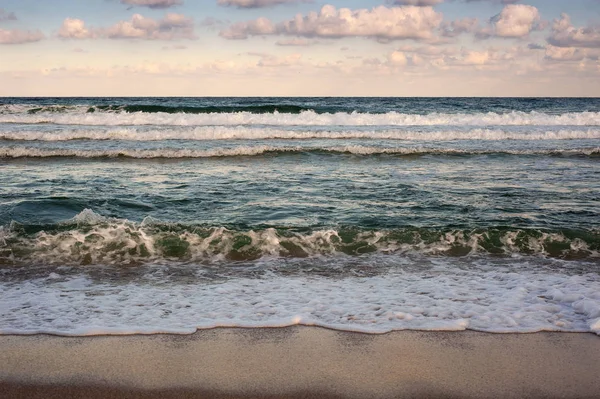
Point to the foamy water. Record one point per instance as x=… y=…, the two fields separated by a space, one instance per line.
x=266 y=133
x=442 y=298
x=79 y=116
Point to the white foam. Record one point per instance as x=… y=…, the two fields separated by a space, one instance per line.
x=444 y=299
x=78 y=116
x=34 y=152
x=250 y=133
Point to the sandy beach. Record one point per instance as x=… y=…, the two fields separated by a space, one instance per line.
x=300 y=362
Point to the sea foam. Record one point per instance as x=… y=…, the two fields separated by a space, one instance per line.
x=256 y=150
x=446 y=298
x=202 y=133
x=79 y=116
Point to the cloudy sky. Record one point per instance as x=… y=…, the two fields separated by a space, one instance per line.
x=300 y=47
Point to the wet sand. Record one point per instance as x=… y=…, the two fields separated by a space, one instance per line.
x=302 y=362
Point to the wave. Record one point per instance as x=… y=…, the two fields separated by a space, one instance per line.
x=89 y=238
x=247 y=151
x=146 y=108
x=249 y=133
x=80 y=116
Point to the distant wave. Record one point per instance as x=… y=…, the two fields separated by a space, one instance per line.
x=179 y=109
x=90 y=238
x=255 y=133
x=80 y=116
x=27 y=152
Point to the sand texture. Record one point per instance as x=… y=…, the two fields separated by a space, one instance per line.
x=302 y=362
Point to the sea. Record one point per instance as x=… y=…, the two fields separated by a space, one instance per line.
x=169 y=215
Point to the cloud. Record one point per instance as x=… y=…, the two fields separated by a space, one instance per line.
x=426 y=3
x=381 y=22
x=495 y=1
x=73 y=28
x=18 y=36
x=7 y=16
x=397 y=58
x=516 y=20
x=257 y=3
x=153 y=3
x=172 y=26
x=565 y=35
x=455 y=28
x=536 y=46
x=418 y=3
x=210 y=22
x=564 y=54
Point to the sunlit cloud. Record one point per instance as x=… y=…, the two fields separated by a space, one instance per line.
x=564 y=34
x=18 y=36
x=410 y=22
x=172 y=26
x=73 y=28
x=516 y=20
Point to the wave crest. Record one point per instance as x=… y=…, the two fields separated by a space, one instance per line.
x=89 y=238
x=79 y=115
x=247 y=151
x=202 y=133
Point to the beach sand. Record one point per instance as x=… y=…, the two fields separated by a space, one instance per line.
x=302 y=362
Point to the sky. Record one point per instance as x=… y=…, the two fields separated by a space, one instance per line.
x=300 y=48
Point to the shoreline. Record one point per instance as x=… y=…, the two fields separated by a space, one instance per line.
x=302 y=362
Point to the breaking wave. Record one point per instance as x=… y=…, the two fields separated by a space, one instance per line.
x=79 y=115
x=89 y=238
x=245 y=151
x=249 y=133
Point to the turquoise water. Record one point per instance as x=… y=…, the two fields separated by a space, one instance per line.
x=299 y=200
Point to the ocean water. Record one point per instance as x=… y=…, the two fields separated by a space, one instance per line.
x=153 y=215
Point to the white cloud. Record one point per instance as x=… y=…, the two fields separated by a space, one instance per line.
x=564 y=54
x=257 y=3
x=153 y=3
x=381 y=22
x=397 y=58
x=516 y=20
x=566 y=35
x=18 y=36
x=172 y=26
x=73 y=28
x=241 y=30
